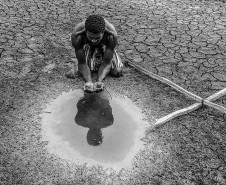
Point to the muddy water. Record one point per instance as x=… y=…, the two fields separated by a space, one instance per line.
x=95 y=129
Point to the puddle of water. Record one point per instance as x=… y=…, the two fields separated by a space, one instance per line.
x=93 y=129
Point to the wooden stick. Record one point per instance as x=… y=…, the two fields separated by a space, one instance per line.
x=215 y=106
x=176 y=114
x=168 y=82
x=185 y=92
x=192 y=108
x=217 y=95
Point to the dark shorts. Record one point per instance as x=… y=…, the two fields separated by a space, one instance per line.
x=94 y=57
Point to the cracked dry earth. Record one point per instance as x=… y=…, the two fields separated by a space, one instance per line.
x=184 y=41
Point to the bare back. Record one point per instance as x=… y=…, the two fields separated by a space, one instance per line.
x=80 y=34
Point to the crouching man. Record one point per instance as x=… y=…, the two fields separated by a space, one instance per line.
x=94 y=41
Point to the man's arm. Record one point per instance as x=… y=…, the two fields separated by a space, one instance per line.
x=108 y=55
x=83 y=68
x=111 y=44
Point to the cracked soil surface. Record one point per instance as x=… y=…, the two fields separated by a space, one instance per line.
x=183 y=41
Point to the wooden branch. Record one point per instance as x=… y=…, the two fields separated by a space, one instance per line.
x=217 y=95
x=215 y=106
x=192 y=108
x=168 y=82
x=185 y=92
x=176 y=114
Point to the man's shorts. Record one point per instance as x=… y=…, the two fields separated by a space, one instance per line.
x=94 y=57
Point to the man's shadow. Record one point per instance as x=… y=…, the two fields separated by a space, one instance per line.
x=95 y=113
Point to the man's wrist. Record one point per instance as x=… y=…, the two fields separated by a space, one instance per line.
x=98 y=80
x=88 y=80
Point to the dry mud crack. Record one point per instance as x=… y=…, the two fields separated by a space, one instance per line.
x=183 y=41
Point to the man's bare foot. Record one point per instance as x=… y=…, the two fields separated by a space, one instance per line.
x=88 y=87
x=72 y=74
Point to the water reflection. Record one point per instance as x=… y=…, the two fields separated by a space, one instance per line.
x=112 y=127
x=95 y=113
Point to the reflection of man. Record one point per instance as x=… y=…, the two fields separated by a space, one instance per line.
x=94 y=41
x=94 y=112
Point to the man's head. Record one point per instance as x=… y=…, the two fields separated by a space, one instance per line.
x=94 y=137
x=95 y=27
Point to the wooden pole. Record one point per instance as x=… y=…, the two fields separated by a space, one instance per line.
x=175 y=114
x=168 y=82
x=191 y=108
x=185 y=92
x=215 y=106
x=217 y=95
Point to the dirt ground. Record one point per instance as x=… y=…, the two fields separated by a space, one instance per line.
x=182 y=41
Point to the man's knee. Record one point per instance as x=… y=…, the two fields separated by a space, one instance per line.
x=116 y=72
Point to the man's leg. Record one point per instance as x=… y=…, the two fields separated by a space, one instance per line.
x=116 y=67
x=73 y=73
x=116 y=72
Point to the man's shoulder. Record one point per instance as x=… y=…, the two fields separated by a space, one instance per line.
x=78 y=36
x=80 y=28
x=110 y=29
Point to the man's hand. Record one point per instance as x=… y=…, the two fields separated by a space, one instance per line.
x=88 y=87
x=98 y=86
